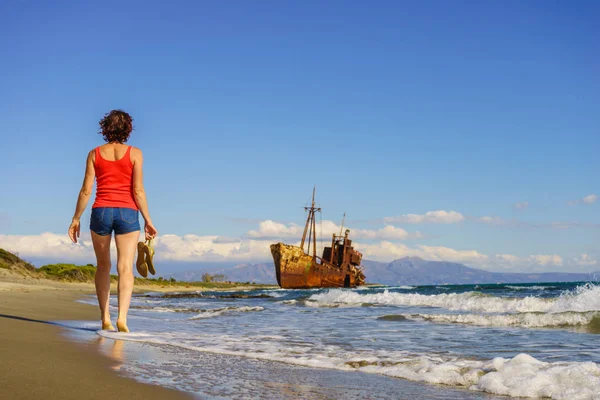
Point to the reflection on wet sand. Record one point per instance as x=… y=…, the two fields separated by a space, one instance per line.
x=114 y=351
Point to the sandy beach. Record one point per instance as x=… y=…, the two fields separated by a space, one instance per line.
x=38 y=361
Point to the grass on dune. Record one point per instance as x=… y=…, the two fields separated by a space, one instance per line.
x=9 y=260
x=71 y=272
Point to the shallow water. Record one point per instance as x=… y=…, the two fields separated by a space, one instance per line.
x=518 y=340
x=217 y=376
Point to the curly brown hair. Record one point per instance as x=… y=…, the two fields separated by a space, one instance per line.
x=116 y=126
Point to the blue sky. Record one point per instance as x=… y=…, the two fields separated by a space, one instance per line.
x=390 y=108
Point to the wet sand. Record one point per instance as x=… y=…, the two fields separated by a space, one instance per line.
x=40 y=362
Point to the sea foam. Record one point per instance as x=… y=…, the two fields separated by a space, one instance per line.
x=226 y=310
x=527 y=320
x=584 y=298
x=529 y=287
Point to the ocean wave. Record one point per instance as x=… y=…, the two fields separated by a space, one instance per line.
x=529 y=287
x=280 y=292
x=522 y=375
x=582 y=299
x=214 y=295
x=371 y=287
x=172 y=308
x=149 y=294
x=159 y=309
x=226 y=310
x=527 y=320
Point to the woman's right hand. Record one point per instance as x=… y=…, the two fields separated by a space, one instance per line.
x=74 y=230
x=150 y=230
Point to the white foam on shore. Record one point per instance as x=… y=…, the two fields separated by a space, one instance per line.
x=400 y=287
x=227 y=310
x=583 y=298
x=527 y=320
x=277 y=294
x=156 y=294
x=522 y=375
x=160 y=309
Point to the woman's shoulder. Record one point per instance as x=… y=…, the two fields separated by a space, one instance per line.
x=135 y=154
x=93 y=151
x=136 y=150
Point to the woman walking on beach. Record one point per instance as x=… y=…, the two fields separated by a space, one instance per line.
x=120 y=194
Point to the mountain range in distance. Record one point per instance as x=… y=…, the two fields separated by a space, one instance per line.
x=403 y=271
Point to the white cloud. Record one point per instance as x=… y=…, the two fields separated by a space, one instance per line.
x=207 y=248
x=388 y=232
x=434 y=217
x=378 y=245
x=491 y=220
x=226 y=239
x=270 y=230
x=387 y=251
x=585 y=260
x=545 y=259
x=507 y=260
x=590 y=199
x=50 y=245
x=58 y=247
x=522 y=205
x=448 y=254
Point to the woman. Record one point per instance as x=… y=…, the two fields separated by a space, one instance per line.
x=119 y=195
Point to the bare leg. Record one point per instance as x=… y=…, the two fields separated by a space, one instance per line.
x=126 y=246
x=102 y=250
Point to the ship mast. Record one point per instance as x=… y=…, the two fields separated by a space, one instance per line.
x=310 y=227
x=342 y=227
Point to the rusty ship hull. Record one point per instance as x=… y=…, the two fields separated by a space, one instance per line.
x=297 y=270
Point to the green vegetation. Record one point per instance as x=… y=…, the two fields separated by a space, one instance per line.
x=71 y=272
x=207 y=278
x=86 y=273
x=162 y=282
x=9 y=260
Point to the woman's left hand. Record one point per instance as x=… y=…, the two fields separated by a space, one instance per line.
x=150 y=230
x=74 y=230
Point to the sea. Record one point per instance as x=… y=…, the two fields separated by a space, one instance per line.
x=417 y=342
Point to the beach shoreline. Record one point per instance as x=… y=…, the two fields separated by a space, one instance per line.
x=40 y=361
x=44 y=357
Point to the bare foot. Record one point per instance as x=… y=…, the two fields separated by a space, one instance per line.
x=108 y=326
x=122 y=326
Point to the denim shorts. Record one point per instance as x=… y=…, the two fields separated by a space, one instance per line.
x=105 y=220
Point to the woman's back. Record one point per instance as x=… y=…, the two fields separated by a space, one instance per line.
x=114 y=176
x=113 y=151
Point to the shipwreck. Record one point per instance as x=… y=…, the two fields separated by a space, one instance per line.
x=338 y=267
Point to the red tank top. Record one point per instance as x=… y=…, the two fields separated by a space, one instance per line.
x=114 y=182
